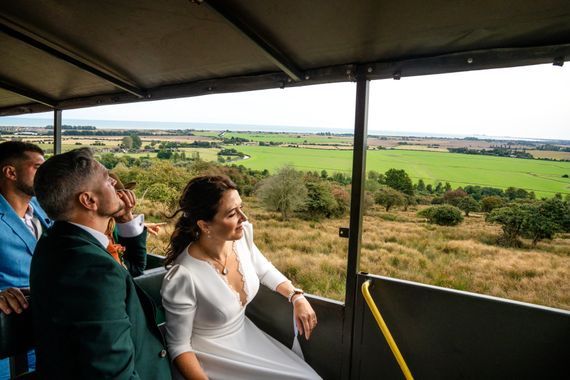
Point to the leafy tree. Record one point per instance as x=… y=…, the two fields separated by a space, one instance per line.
x=437 y=201
x=284 y=192
x=376 y=177
x=447 y=186
x=444 y=215
x=539 y=223
x=454 y=196
x=136 y=141
x=565 y=222
x=342 y=198
x=421 y=187
x=320 y=200
x=162 y=193
x=324 y=174
x=409 y=200
x=164 y=154
x=438 y=188
x=127 y=142
x=468 y=204
x=533 y=220
x=487 y=191
x=429 y=188
x=341 y=178
x=389 y=197
x=513 y=193
x=511 y=219
x=398 y=179
x=245 y=179
x=109 y=160
x=491 y=202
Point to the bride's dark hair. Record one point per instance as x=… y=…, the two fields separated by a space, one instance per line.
x=199 y=201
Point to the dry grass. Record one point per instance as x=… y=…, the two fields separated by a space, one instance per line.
x=554 y=155
x=401 y=245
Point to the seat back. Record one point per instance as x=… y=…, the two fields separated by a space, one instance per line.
x=150 y=282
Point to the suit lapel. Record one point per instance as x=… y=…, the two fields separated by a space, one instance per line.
x=13 y=221
x=148 y=306
x=39 y=213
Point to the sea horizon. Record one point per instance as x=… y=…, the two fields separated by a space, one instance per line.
x=166 y=125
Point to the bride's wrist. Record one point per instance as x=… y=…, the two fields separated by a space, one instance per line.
x=296 y=298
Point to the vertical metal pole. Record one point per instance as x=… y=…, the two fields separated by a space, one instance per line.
x=356 y=212
x=56 y=131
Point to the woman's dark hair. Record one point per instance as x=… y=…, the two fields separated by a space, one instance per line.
x=199 y=201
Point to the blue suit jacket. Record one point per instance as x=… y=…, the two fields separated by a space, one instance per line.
x=17 y=245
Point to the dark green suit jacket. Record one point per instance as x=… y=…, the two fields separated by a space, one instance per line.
x=90 y=319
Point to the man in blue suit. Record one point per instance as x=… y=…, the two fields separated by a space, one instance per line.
x=22 y=222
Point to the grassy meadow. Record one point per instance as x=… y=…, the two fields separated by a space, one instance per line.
x=401 y=245
x=542 y=177
x=281 y=138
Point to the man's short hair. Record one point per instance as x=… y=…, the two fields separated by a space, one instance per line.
x=60 y=180
x=12 y=151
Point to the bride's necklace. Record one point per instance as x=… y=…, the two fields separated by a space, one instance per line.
x=224 y=266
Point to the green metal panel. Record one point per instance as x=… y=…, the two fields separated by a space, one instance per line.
x=447 y=334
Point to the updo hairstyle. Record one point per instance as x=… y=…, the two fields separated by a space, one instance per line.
x=199 y=201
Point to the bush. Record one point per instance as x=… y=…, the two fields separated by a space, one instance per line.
x=320 y=202
x=162 y=193
x=284 y=192
x=437 y=201
x=468 y=204
x=389 y=197
x=491 y=202
x=453 y=197
x=511 y=219
x=400 y=180
x=444 y=215
x=342 y=198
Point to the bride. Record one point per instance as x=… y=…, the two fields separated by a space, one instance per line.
x=216 y=271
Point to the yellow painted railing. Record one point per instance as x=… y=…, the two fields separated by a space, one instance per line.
x=385 y=331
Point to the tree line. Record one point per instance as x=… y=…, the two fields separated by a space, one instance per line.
x=316 y=195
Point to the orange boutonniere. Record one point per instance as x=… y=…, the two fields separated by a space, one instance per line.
x=116 y=251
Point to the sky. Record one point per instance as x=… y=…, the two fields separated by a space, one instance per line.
x=525 y=102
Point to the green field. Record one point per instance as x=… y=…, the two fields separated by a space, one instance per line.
x=542 y=177
x=281 y=138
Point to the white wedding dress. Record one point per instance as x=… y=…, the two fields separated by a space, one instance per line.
x=205 y=316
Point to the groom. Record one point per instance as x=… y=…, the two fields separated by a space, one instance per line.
x=91 y=320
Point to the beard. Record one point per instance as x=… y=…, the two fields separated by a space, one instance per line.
x=113 y=212
x=25 y=188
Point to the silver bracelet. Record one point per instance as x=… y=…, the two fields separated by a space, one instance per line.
x=293 y=292
x=297 y=299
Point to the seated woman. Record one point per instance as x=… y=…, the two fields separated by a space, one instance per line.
x=216 y=272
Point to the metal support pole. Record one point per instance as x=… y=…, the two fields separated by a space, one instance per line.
x=56 y=131
x=356 y=212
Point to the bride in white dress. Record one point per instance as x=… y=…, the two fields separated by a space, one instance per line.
x=216 y=271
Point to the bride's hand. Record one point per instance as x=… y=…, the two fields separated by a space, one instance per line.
x=305 y=316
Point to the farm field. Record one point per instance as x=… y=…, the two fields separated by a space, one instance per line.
x=553 y=155
x=282 y=138
x=542 y=177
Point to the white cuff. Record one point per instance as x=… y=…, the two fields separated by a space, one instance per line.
x=133 y=228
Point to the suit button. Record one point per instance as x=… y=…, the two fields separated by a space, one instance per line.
x=162 y=353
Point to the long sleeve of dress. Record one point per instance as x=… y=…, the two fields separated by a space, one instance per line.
x=267 y=273
x=179 y=301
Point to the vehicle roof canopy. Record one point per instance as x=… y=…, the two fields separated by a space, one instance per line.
x=73 y=53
